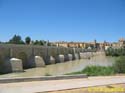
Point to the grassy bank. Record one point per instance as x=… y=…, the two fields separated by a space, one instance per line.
x=96 y=71
x=118 y=67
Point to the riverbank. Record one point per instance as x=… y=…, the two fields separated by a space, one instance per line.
x=96 y=71
x=117 y=68
x=63 y=68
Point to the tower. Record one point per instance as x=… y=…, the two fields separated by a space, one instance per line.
x=95 y=43
x=121 y=42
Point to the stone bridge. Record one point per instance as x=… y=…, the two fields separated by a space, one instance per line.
x=15 y=58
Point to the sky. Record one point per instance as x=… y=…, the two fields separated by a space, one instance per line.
x=63 y=20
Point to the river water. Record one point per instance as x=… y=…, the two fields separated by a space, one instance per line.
x=63 y=68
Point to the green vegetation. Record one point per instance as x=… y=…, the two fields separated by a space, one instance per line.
x=27 y=40
x=96 y=71
x=16 y=39
x=39 y=42
x=119 y=65
x=115 y=52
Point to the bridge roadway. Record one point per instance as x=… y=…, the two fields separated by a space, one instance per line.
x=54 y=85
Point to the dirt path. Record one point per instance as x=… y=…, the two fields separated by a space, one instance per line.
x=55 y=85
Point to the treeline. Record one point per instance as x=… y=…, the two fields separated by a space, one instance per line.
x=17 y=39
x=115 y=52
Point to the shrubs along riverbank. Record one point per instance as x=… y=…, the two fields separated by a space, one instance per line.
x=96 y=71
x=115 y=52
x=118 y=67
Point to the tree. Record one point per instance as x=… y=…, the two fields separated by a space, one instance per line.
x=36 y=42
x=16 y=39
x=49 y=44
x=39 y=42
x=27 y=40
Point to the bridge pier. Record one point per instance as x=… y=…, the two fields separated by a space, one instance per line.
x=16 y=65
x=39 y=62
x=60 y=58
x=68 y=57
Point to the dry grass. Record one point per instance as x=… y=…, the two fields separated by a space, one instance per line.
x=87 y=90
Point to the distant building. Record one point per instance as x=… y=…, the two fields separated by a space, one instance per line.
x=119 y=44
x=100 y=46
x=122 y=42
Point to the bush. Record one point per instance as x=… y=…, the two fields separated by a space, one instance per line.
x=98 y=70
x=27 y=40
x=16 y=39
x=115 y=52
x=119 y=65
